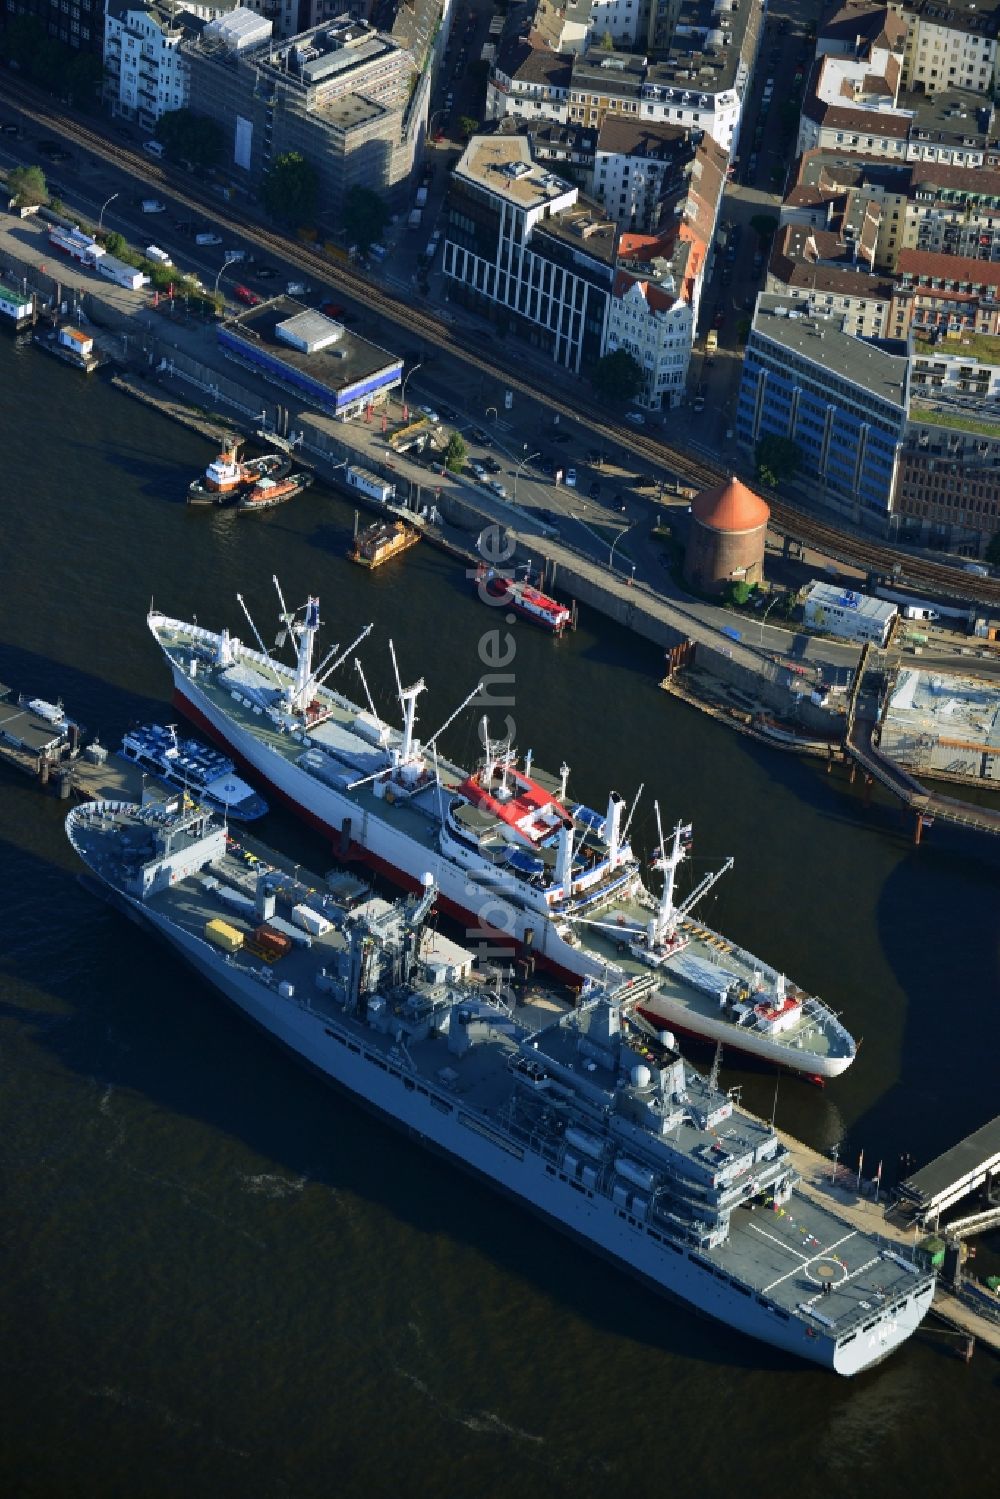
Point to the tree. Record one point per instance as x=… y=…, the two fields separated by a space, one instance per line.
x=777 y=458
x=115 y=243
x=454 y=454
x=27 y=185
x=617 y=377
x=607 y=42
x=741 y=593
x=190 y=137
x=992 y=553
x=764 y=225
x=468 y=126
x=290 y=189
x=365 y=216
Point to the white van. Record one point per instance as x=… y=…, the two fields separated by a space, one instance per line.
x=153 y=148
x=920 y=611
x=153 y=252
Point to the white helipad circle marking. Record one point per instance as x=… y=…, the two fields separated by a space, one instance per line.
x=825 y=1271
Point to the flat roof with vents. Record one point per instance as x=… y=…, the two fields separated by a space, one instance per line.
x=314 y=356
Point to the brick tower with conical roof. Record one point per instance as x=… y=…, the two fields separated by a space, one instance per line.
x=726 y=538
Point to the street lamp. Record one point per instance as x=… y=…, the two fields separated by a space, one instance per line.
x=402 y=391
x=611 y=554
x=227 y=260
x=528 y=457
x=100 y=217
x=764 y=617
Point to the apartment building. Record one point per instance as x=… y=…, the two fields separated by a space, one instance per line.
x=526 y=249
x=945 y=295
x=659 y=279
x=950 y=45
x=637 y=167
x=343 y=94
x=821 y=272
x=145 y=72
x=696 y=82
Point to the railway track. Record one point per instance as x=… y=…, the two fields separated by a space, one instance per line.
x=801 y=526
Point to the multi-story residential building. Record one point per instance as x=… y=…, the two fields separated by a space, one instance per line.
x=526 y=249
x=75 y=23
x=950 y=44
x=651 y=319
x=653 y=312
x=145 y=71
x=882 y=208
x=528 y=81
x=945 y=294
x=840 y=399
x=637 y=166
x=697 y=82
x=344 y=95
x=822 y=272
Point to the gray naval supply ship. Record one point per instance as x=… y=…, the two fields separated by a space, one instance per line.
x=583 y=1113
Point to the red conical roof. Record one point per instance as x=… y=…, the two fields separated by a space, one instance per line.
x=730 y=507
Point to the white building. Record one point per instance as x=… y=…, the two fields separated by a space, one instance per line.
x=635 y=166
x=145 y=74
x=854 y=616
x=649 y=319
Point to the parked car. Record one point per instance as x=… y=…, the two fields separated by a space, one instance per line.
x=570 y=478
x=636 y=418
x=698 y=404
x=595 y=490
x=246 y=296
x=430 y=414
x=297 y=289
x=207 y=239
x=332 y=309
x=478 y=469
x=492 y=466
x=265 y=273
x=498 y=488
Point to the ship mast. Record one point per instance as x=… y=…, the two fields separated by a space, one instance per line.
x=668 y=864
x=306 y=632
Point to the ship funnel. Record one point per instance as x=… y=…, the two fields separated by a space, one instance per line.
x=612 y=828
x=265 y=900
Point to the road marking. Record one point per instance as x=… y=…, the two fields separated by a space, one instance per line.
x=818 y=1256
x=780 y=1242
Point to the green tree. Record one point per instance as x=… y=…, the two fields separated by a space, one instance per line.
x=607 y=42
x=290 y=189
x=777 y=458
x=992 y=553
x=764 y=225
x=192 y=137
x=468 y=126
x=741 y=593
x=455 y=454
x=116 y=244
x=27 y=185
x=617 y=377
x=365 y=216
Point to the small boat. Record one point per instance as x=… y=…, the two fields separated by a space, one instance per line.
x=227 y=475
x=378 y=542
x=203 y=772
x=520 y=595
x=269 y=491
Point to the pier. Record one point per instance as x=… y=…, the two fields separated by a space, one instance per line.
x=973 y=1163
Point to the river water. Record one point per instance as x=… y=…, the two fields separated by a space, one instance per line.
x=222 y=1278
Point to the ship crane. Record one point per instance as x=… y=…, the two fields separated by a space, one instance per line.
x=663 y=926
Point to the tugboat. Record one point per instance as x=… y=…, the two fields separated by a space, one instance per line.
x=270 y=491
x=520 y=595
x=227 y=475
x=377 y=543
x=208 y=776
